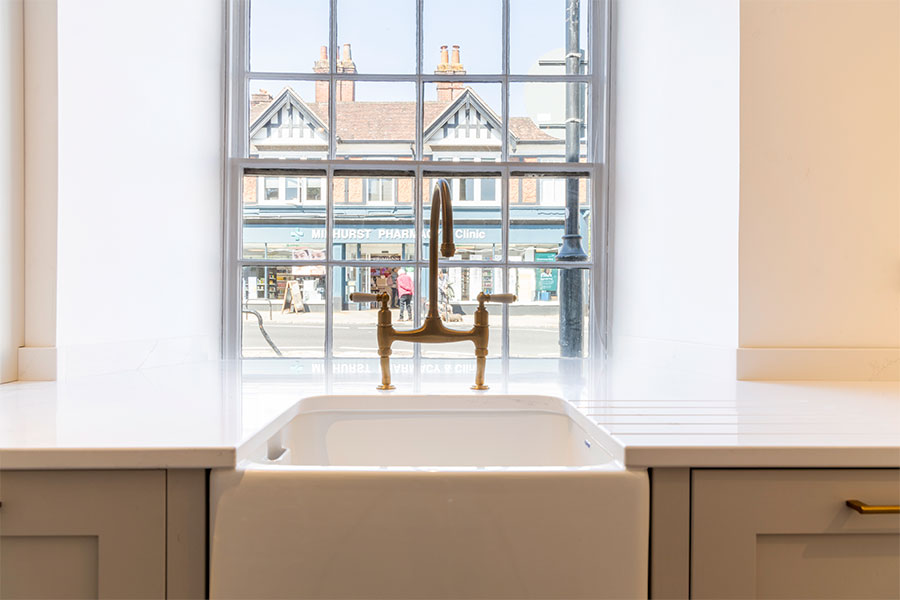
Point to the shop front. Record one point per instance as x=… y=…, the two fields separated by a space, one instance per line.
x=534 y=236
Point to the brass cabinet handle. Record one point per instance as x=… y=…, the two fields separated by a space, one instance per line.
x=866 y=509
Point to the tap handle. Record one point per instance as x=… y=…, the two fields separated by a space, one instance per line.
x=502 y=298
x=361 y=297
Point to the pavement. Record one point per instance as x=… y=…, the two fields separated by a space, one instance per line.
x=303 y=335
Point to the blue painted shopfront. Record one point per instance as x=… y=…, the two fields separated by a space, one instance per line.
x=542 y=226
x=394 y=226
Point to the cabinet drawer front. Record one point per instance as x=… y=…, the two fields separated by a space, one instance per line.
x=97 y=533
x=789 y=534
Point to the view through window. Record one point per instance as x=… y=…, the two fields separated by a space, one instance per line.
x=346 y=112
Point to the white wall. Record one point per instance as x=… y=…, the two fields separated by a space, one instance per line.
x=820 y=190
x=12 y=190
x=139 y=183
x=37 y=358
x=675 y=183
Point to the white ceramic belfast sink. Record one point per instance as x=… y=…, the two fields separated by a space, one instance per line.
x=431 y=497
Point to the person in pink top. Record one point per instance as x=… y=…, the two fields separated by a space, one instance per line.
x=405 y=287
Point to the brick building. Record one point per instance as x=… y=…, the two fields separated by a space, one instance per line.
x=285 y=216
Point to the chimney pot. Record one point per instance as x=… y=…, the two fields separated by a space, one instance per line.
x=445 y=59
x=321 y=65
x=260 y=97
x=455 y=54
x=346 y=54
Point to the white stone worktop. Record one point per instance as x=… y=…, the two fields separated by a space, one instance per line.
x=205 y=415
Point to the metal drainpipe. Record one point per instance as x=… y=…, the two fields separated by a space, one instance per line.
x=571 y=281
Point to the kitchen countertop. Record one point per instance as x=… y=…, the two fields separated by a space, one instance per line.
x=209 y=414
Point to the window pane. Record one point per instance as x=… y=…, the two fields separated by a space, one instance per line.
x=388 y=190
x=535 y=326
x=462 y=120
x=314 y=189
x=476 y=224
x=286 y=35
x=458 y=289
x=273 y=187
x=537 y=36
x=488 y=188
x=277 y=227
x=466 y=189
x=291 y=189
x=379 y=122
x=537 y=122
x=356 y=324
x=382 y=34
x=373 y=218
x=472 y=28
x=537 y=216
x=290 y=302
x=288 y=119
x=380 y=190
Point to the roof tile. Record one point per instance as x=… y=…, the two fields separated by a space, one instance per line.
x=395 y=120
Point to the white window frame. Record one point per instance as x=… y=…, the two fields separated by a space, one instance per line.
x=238 y=163
x=473 y=157
x=282 y=200
x=304 y=185
x=381 y=201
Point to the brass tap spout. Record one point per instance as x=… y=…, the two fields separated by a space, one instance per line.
x=440 y=209
x=433 y=330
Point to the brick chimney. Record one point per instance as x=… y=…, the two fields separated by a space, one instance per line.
x=261 y=97
x=346 y=90
x=321 y=66
x=449 y=90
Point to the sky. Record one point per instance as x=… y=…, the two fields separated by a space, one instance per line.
x=285 y=35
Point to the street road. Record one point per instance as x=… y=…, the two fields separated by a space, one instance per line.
x=303 y=335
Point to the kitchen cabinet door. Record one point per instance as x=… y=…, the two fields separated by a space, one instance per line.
x=83 y=534
x=787 y=533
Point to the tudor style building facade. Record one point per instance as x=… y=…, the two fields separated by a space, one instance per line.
x=285 y=217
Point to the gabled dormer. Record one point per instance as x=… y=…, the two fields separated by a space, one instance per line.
x=286 y=125
x=467 y=123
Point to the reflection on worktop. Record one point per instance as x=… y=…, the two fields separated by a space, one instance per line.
x=200 y=415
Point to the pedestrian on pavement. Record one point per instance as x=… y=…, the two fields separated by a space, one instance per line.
x=395 y=295
x=405 y=287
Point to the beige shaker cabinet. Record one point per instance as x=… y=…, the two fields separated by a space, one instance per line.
x=100 y=534
x=787 y=533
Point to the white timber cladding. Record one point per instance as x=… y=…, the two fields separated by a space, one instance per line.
x=467 y=124
x=289 y=126
x=297 y=137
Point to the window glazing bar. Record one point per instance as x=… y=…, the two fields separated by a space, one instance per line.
x=411 y=77
x=332 y=86
x=443 y=263
x=280 y=171
x=287 y=76
x=407 y=168
x=329 y=269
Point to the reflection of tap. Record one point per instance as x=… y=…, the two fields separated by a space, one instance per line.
x=433 y=330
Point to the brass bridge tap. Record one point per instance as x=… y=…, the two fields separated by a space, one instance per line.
x=433 y=330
